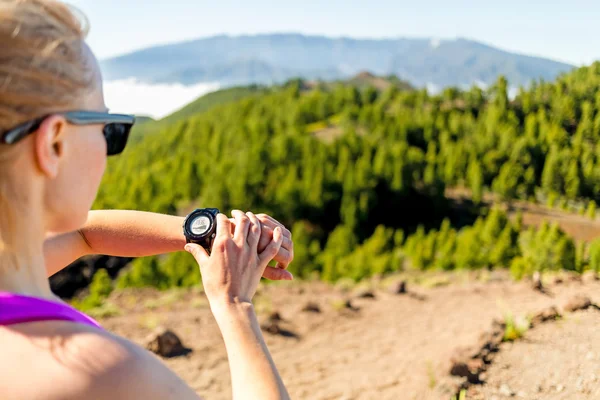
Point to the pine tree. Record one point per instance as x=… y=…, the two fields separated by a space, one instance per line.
x=475 y=179
x=551 y=179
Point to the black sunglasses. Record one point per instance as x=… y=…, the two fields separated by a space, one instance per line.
x=116 y=128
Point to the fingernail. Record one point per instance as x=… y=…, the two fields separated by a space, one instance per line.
x=188 y=248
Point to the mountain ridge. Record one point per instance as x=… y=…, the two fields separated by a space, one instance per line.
x=274 y=58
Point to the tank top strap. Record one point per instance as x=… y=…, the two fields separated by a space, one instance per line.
x=18 y=309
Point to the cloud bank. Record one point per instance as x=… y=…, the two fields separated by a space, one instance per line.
x=154 y=100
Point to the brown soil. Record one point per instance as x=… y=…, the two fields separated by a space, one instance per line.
x=553 y=361
x=387 y=347
x=579 y=227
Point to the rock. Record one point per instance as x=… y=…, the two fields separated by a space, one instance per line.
x=462 y=369
x=79 y=274
x=275 y=328
x=398 y=287
x=539 y=388
x=489 y=341
x=537 y=281
x=166 y=344
x=365 y=294
x=558 y=280
x=311 y=307
x=577 y=302
x=560 y=388
x=275 y=317
x=505 y=390
x=271 y=327
x=476 y=365
x=548 y=314
x=349 y=306
x=463 y=364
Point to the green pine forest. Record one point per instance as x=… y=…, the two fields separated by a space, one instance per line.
x=359 y=173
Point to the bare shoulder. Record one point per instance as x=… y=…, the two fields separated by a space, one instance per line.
x=60 y=360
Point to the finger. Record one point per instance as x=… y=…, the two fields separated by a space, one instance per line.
x=273 y=223
x=267 y=235
x=276 y=274
x=242 y=226
x=284 y=257
x=272 y=249
x=198 y=252
x=232 y=220
x=224 y=227
x=255 y=231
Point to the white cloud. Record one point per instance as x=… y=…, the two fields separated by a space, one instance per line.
x=155 y=100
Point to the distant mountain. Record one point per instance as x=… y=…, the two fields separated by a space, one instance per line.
x=275 y=58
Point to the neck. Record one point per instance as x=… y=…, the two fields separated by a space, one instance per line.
x=25 y=274
x=22 y=234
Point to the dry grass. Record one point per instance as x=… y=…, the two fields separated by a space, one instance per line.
x=106 y=310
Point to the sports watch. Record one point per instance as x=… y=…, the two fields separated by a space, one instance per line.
x=200 y=227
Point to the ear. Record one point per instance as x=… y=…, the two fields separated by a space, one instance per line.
x=49 y=144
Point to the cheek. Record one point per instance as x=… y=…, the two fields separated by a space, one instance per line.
x=76 y=187
x=92 y=163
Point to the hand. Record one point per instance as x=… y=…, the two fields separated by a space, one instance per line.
x=233 y=270
x=284 y=256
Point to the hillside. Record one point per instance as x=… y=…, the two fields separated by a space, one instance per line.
x=276 y=58
x=213 y=99
x=360 y=174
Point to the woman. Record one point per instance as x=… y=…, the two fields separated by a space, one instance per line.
x=56 y=134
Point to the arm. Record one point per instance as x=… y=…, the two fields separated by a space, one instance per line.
x=125 y=233
x=119 y=233
x=231 y=275
x=253 y=371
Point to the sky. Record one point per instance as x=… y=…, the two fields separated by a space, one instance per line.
x=562 y=30
x=557 y=29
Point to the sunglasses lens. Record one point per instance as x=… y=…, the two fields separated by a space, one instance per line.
x=116 y=136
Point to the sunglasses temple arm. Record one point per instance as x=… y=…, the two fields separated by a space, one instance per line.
x=14 y=135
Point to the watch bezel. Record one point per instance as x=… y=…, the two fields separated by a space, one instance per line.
x=209 y=213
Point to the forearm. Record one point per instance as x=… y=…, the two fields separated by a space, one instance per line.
x=253 y=372
x=127 y=233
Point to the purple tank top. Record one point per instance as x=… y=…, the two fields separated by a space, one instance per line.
x=18 y=309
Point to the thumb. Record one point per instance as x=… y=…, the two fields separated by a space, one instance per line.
x=198 y=252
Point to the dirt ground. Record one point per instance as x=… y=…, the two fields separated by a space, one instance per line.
x=557 y=361
x=389 y=347
x=579 y=227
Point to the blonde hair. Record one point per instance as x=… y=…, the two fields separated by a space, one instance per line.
x=44 y=68
x=43 y=65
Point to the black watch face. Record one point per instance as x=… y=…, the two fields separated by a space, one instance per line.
x=200 y=225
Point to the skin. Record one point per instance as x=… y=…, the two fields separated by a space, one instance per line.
x=59 y=168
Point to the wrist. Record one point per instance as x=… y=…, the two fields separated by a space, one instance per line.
x=181 y=239
x=233 y=308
